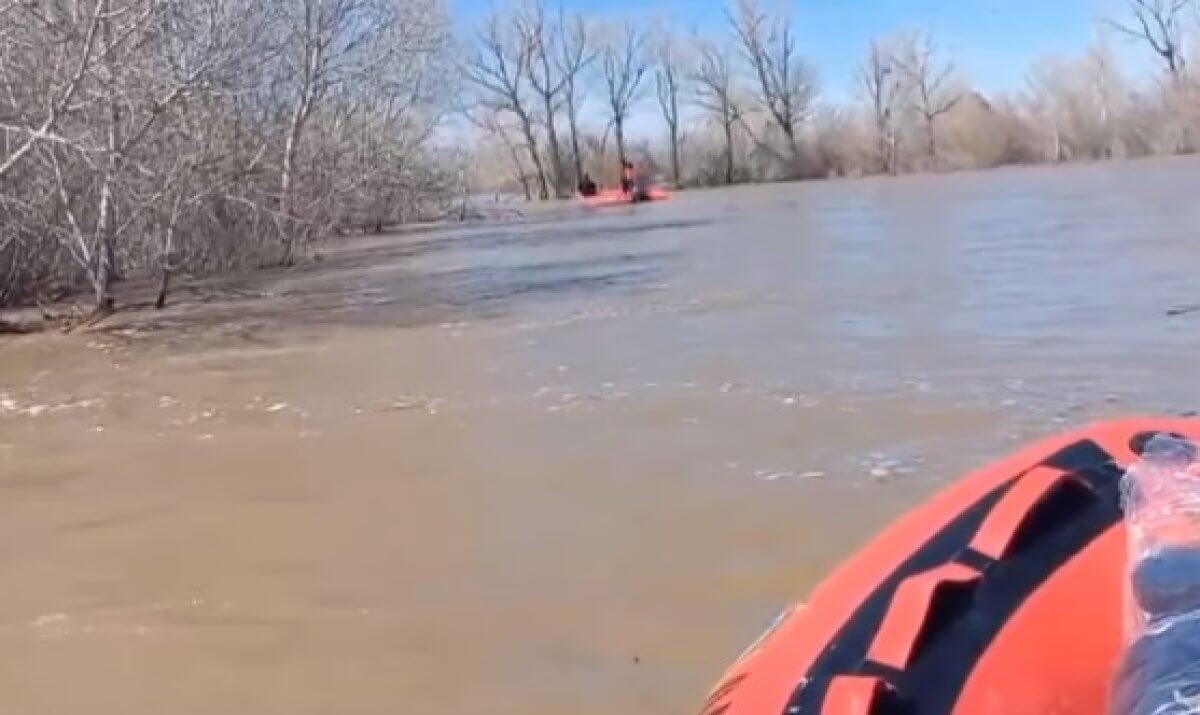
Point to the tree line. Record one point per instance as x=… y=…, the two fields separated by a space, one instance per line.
x=163 y=137
x=159 y=136
x=744 y=104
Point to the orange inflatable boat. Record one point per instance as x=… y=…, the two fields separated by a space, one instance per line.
x=1002 y=595
x=615 y=197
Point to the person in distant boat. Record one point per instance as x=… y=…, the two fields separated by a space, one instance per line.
x=640 y=186
x=587 y=187
x=627 y=177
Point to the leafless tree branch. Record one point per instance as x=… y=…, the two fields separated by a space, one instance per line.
x=786 y=83
x=624 y=64
x=1159 y=24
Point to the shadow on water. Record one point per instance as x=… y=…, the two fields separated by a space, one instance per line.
x=514 y=238
x=393 y=293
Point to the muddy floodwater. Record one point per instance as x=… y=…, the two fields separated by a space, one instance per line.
x=564 y=465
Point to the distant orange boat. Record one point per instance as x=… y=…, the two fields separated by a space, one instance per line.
x=1001 y=595
x=616 y=197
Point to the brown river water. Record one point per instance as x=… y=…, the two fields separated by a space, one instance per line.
x=572 y=464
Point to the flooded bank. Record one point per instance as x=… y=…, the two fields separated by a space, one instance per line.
x=569 y=465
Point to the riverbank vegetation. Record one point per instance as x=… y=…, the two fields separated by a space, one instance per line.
x=200 y=135
x=160 y=137
x=744 y=104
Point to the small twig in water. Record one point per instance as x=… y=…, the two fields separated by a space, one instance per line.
x=1183 y=310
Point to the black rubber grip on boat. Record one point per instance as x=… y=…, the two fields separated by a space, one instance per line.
x=958 y=630
x=979 y=561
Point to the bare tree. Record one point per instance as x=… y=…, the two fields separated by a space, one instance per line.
x=1159 y=23
x=1077 y=106
x=545 y=78
x=73 y=39
x=881 y=82
x=575 y=54
x=715 y=94
x=326 y=46
x=931 y=85
x=499 y=69
x=624 y=64
x=151 y=57
x=177 y=190
x=1050 y=102
x=786 y=83
x=669 y=76
x=1106 y=87
x=169 y=152
x=493 y=124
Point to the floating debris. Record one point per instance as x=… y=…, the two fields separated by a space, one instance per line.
x=48 y=619
x=11 y=405
x=774 y=475
x=881 y=468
